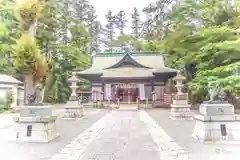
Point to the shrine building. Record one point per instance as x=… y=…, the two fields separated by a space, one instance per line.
x=128 y=75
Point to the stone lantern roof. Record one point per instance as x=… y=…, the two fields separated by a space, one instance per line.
x=73 y=78
x=179 y=76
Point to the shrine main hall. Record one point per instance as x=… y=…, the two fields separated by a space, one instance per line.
x=127 y=76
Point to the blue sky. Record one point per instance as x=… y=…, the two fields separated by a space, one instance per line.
x=102 y=7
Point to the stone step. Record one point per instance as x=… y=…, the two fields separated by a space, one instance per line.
x=128 y=107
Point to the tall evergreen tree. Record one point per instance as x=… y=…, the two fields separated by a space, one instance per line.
x=147 y=30
x=80 y=10
x=96 y=39
x=158 y=15
x=94 y=30
x=121 y=21
x=65 y=22
x=110 y=25
x=109 y=31
x=136 y=23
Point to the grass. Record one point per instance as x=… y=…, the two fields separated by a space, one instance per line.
x=3 y=110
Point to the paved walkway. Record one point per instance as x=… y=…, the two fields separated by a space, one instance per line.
x=124 y=138
x=122 y=135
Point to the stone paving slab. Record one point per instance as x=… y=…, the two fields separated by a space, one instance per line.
x=31 y=151
x=181 y=133
x=168 y=148
x=126 y=138
x=120 y=135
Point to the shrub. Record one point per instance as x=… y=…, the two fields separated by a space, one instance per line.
x=8 y=98
x=2 y=105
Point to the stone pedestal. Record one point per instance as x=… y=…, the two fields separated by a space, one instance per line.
x=217 y=123
x=35 y=124
x=73 y=111
x=180 y=110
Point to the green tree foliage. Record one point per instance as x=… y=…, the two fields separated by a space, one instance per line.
x=136 y=23
x=84 y=84
x=120 y=21
x=158 y=19
x=70 y=54
x=8 y=98
x=203 y=40
x=121 y=40
x=57 y=38
x=4 y=48
x=109 y=28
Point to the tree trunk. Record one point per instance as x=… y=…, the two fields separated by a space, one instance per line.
x=29 y=88
x=233 y=100
x=32 y=29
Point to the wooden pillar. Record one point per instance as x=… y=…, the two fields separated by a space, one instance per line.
x=103 y=87
x=152 y=84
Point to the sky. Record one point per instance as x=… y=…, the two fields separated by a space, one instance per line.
x=103 y=6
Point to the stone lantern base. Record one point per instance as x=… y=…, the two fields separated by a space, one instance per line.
x=73 y=111
x=180 y=110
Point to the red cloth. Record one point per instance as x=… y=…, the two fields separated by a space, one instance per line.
x=115 y=99
x=138 y=100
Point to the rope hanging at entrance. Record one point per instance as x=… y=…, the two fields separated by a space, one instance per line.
x=130 y=85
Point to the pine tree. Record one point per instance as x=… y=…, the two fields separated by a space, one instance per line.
x=110 y=25
x=158 y=16
x=121 y=21
x=94 y=30
x=136 y=23
x=80 y=11
x=65 y=22
x=96 y=37
x=147 y=29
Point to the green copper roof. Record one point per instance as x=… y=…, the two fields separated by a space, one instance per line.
x=127 y=58
x=153 y=60
x=124 y=53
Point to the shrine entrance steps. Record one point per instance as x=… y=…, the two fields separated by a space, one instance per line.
x=133 y=107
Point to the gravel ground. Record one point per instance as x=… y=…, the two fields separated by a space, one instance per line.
x=181 y=133
x=32 y=151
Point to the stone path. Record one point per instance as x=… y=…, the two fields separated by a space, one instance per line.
x=125 y=138
x=123 y=135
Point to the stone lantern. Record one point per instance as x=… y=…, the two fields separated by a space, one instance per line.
x=73 y=87
x=73 y=110
x=179 y=79
x=180 y=109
